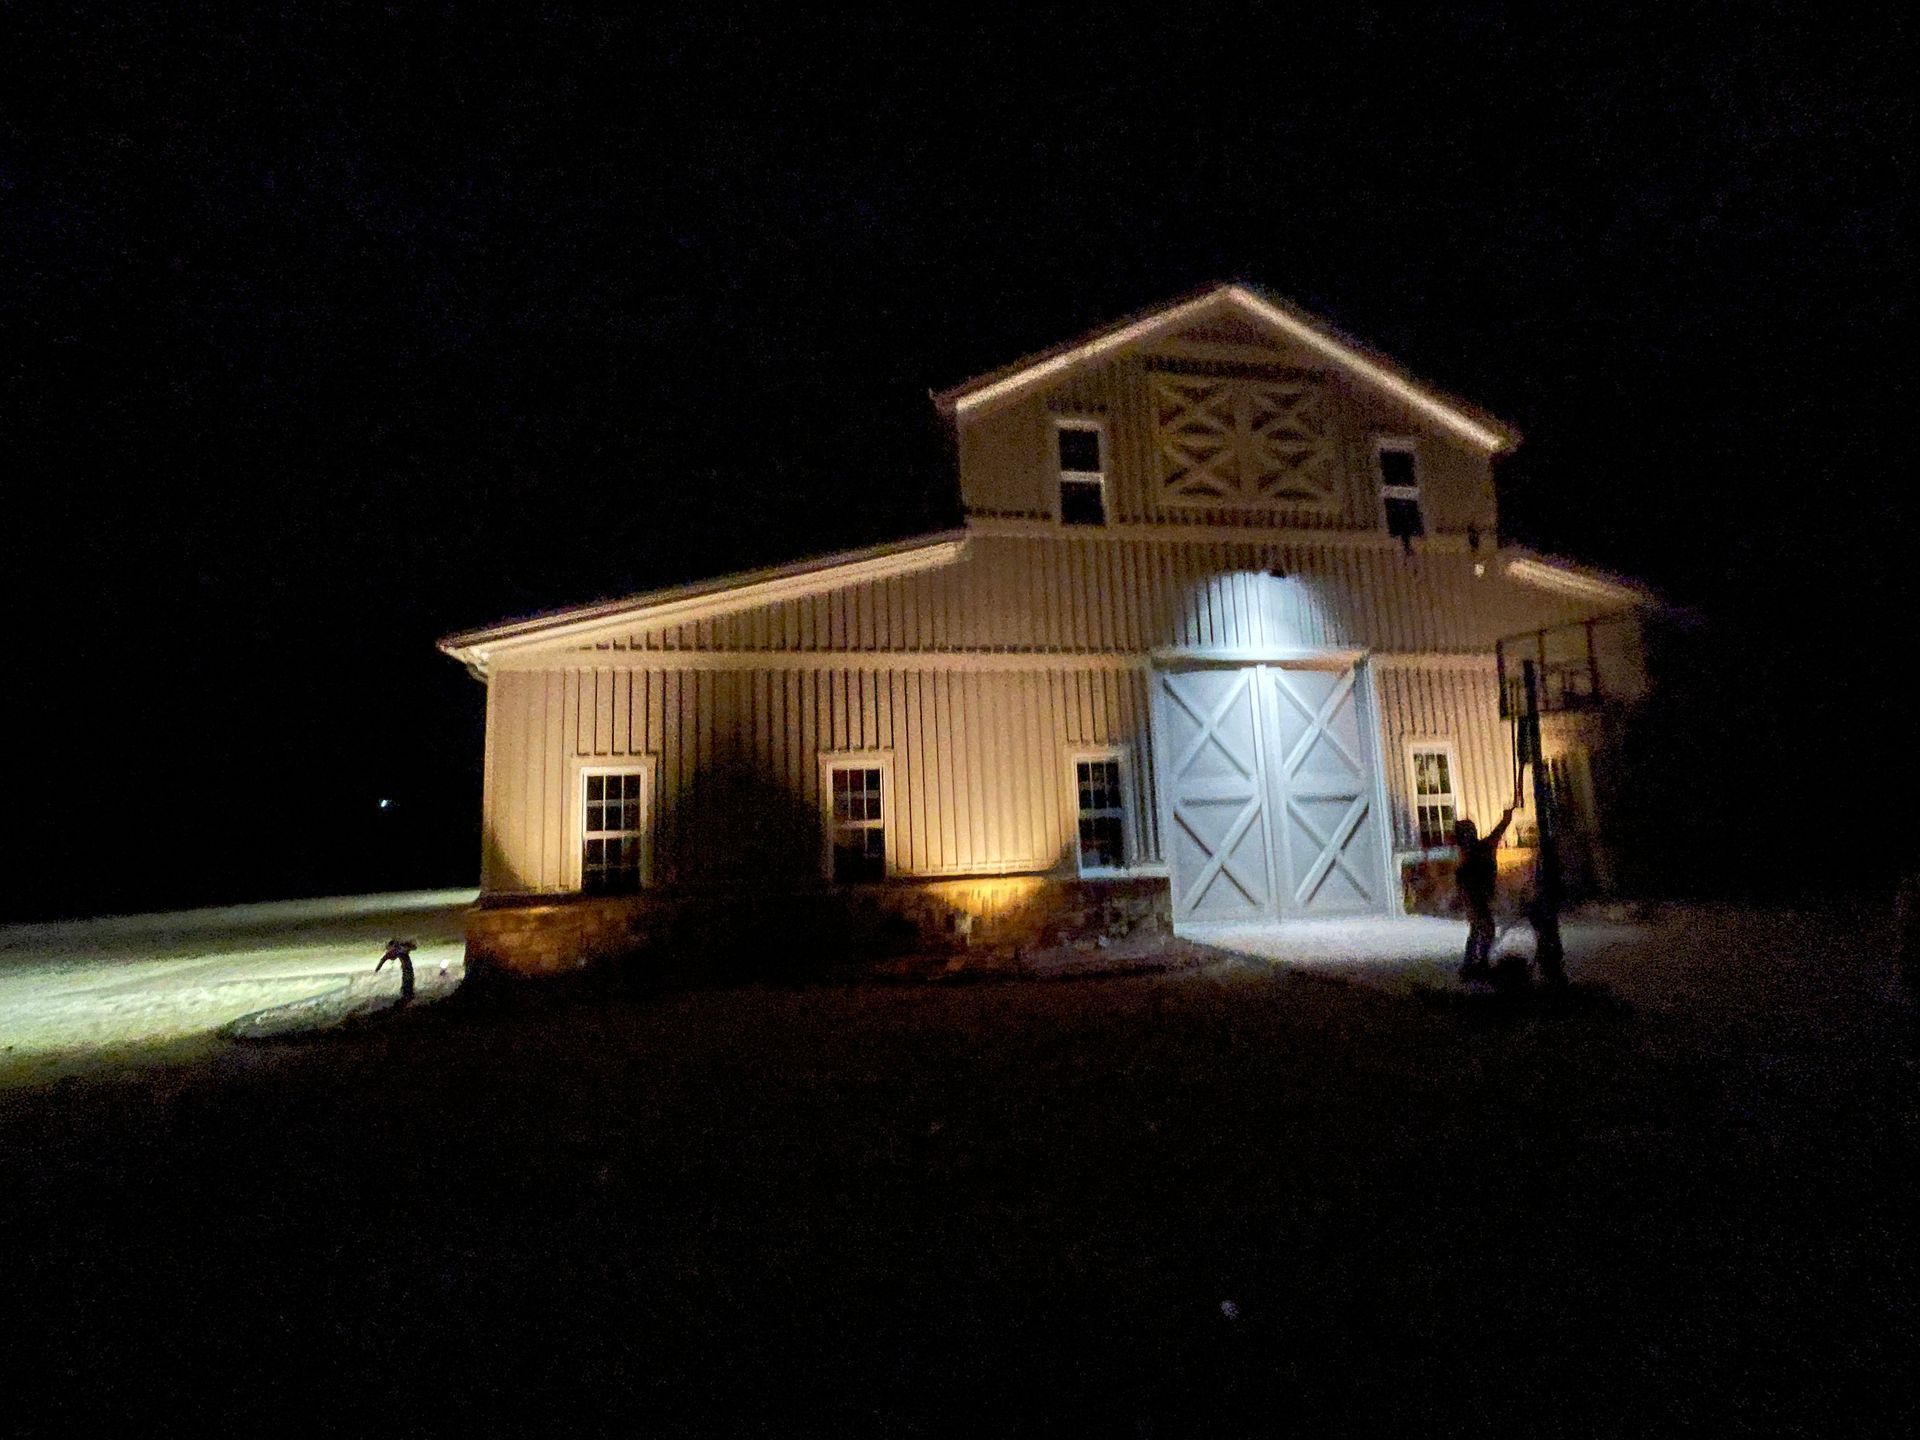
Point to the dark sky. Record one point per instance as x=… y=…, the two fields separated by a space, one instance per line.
x=324 y=335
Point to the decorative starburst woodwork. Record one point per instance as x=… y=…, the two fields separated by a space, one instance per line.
x=1242 y=441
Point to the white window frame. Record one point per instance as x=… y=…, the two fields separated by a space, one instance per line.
x=1413 y=748
x=881 y=760
x=1398 y=445
x=1129 y=840
x=1062 y=475
x=647 y=768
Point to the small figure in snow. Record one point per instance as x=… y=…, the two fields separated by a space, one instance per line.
x=401 y=950
x=1476 y=876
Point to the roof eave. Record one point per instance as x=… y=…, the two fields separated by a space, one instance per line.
x=704 y=599
x=1550 y=572
x=1452 y=413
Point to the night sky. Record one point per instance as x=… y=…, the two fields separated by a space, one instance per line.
x=322 y=336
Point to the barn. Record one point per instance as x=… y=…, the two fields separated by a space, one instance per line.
x=1227 y=629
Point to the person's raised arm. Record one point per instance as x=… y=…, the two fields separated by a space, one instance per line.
x=1493 y=835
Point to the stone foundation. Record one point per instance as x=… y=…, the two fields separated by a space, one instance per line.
x=533 y=936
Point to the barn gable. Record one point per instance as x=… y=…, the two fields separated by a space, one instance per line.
x=1232 y=315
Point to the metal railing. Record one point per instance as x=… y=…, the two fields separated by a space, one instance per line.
x=1567 y=660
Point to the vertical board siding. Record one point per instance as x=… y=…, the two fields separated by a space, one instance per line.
x=1458 y=705
x=1127 y=595
x=1007 y=463
x=980 y=761
x=979 y=756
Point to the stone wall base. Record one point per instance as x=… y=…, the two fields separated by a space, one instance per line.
x=812 y=931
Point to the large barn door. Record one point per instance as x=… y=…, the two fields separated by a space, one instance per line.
x=1320 y=782
x=1268 y=781
x=1208 y=743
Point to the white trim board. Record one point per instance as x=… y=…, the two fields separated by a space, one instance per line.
x=1028 y=528
x=1295 y=324
x=707 y=599
x=990 y=661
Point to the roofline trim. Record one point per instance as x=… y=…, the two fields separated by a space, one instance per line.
x=705 y=599
x=1578 y=581
x=1491 y=435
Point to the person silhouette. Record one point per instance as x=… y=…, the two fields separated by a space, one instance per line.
x=401 y=950
x=1476 y=876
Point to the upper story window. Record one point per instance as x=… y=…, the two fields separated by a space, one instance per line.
x=1080 y=451
x=1399 y=466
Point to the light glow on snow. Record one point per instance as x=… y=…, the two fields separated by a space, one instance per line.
x=76 y=993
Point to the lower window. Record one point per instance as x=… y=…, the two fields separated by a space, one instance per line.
x=1434 y=805
x=1103 y=813
x=857 y=818
x=612 y=833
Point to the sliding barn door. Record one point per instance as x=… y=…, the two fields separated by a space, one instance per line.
x=1320 y=783
x=1269 y=793
x=1207 y=736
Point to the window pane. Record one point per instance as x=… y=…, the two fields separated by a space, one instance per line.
x=1079 y=449
x=1436 y=826
x=1083 y=502
x=860 y=856
x=1403 y=518
x=1100 y=842
x=1396 y=468
x=1430 y=775
x=596 y=786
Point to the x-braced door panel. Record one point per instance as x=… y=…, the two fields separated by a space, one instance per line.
x=1209 y=740
x=1321 y=793
x=1269 y=787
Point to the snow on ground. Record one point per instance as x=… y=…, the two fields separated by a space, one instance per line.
x=77 y=992
x=1717 y=963
x=1414 y=949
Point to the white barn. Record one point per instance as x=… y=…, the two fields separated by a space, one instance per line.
x=1222 y=616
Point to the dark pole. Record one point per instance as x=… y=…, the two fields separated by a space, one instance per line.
x=1548 y=952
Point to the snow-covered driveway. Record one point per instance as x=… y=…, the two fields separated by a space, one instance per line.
x=75 y=990
x=1820 y=971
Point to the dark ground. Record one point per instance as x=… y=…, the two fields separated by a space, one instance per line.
x=1006 y=1209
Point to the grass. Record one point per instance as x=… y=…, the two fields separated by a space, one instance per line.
x=1000 y=1209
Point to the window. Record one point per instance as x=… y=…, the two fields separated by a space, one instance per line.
x=613 y=821
x=856 y=819
x=1080 y=450
x=1102 y=810
x=1400 y=488
x=1435 y=807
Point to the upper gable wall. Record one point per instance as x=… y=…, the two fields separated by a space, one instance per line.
x=1007 y=458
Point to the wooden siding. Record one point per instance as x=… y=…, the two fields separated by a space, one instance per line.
x=1063 y=593
x=1452 y=702
x=979 y=761
x=1007 y=462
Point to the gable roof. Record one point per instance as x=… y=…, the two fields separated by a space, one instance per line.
x=703 y=599
x=1280 y=316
